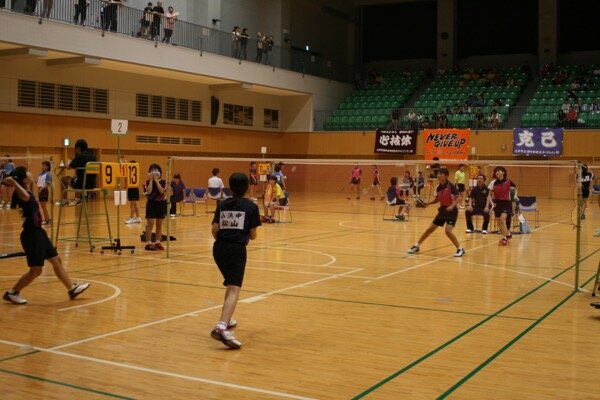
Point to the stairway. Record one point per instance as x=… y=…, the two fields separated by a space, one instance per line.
x=514 y=120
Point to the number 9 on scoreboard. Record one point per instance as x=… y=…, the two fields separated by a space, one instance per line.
x=109 y=174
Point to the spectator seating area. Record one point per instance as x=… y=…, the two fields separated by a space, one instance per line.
x=568 y=96
x=455 y=98
x=371 y=104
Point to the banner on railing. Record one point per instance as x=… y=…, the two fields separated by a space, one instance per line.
x=446 y=144
x=394 y=141
x=538 y=141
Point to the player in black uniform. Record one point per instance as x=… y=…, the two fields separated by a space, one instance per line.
x=233 y=226
x=35 y=241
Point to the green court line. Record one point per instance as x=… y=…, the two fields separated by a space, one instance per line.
x=19 y=355
x=398 y=306
x=69 y=385
x=508 y=345
x=462 y=334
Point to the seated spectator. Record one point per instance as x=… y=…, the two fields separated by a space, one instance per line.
x=215 y=184
x=498 y=103
x=572 y=118
x=274 y=196
x=395 y=197
x=595 y=106
x=407 y=183
x=561 y=118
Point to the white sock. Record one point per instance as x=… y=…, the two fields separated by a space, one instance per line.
x=222 y=325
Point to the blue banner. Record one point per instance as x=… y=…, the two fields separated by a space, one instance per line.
x=538 y=141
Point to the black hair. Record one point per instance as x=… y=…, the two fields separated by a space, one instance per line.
x=277 y=167
x=18 y=174
x=46 y=164
x=177 y=176
x=272 y=178
x=444 y=171
x=393 y=181
x=501 y=169
x=81 y=144
x=155 y=166
x=238 y=183
x=461 y=165
x=481 y=176
x=132 y=161
x=215 y=171
x=436 y=158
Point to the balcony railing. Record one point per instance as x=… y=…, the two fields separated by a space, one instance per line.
x=110 y=18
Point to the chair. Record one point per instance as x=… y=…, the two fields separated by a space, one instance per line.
x=595 y=191
x=215 y=194
x=529 y=204
x=285 y=210
x=391 y=205
x=193 y=197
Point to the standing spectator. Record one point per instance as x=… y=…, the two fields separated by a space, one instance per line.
x=572 y=118
x=29 y=6
x=178 y=188
x=244 y=41
x=260 y=44
x=158 y=11
x=80 y=11
x=235 y=42
x=478 y=119
x=269 y=42
x=6 y=169
x=156 y=206
x=170 y=18
x=145 y=22
x=133 y=196
x=111 y=11
x=396 y=115
x=47 y=7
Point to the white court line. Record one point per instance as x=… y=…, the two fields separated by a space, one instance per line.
x=545 y=278
x=450 y=256
x=159 y=372
x=114 y=295
x=193 y=313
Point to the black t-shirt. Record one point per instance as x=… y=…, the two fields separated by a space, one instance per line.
x=32 y=219
x=80 y=161
x=236 y=220
x=479 y=196
x=157 y=18
x=586 y=179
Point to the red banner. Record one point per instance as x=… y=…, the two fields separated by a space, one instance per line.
x=447 y=144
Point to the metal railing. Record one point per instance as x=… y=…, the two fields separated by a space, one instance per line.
x=110 y=17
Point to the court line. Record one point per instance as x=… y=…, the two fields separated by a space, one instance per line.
x=54 y=280
x=192 y=313
x=521 y=273
x=509 y=344
x=114 y=295
x=157 y=372
x=463 y=333
x=448 y=257
x=69 y=385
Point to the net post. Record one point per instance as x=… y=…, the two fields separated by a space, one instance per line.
x=578 y=224
x=168 y=184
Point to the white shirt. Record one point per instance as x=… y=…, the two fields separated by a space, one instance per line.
x=215 y=182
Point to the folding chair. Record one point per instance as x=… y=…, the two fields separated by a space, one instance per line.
x=529 y=204
x=391 y=205
x=283 y=211
x=215 y=194
x=193 y=197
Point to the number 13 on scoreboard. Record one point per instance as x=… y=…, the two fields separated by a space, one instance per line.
x=131 y=173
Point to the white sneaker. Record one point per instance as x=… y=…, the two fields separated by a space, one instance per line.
x=413 y=250
x=130 y=221
x=77 y=289
x=14 y=297
x=173 y=215
x=459 y=252
x=226 y=337
x=7 y=206
x=75 y=202
x=484 y=232
x=468 y=230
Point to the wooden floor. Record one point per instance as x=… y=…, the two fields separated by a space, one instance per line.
x=332 y=308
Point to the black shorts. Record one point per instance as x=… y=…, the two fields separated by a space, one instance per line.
x=156 y=209
x=231 y=260
x=461 y=187
x=446 y=217
x=355 y=181
x=252 y=180
x=37 y=247
x=376 y=182
x=503 y=207
x=585 y=192
x=133 y=194
x=283 y=202
x=43 y=195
